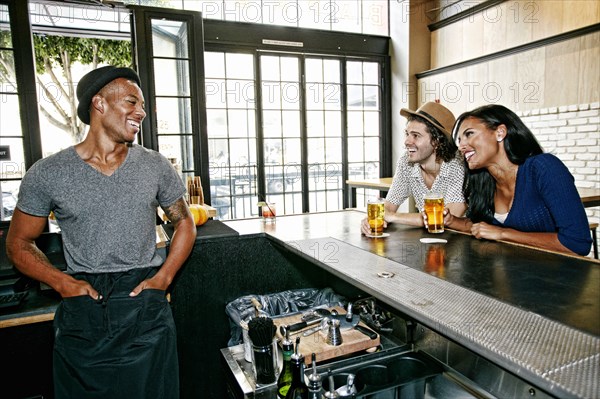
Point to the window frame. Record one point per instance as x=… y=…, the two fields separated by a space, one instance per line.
x=22 y=45
x=141 y=35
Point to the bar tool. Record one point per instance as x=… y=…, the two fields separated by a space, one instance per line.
x=334 y=336
x=346 y=322
x=314 y=381
x=309 y=319
x=258 y=308
x=349 y=312
x=246 y=341
x=321 y=327
x=332 y=393
x=349 y=389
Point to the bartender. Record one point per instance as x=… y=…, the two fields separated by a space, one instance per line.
x=114 y=331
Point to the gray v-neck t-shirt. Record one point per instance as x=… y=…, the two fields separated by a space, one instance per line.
x=108 y=223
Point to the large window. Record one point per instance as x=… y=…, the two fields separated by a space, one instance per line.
x=325 y=133
x=171 y=63
x=281 y=101
x=290 y=129
x=364 y=123
x=231 y=125
x=291 y=114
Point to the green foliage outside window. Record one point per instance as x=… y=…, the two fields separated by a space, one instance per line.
x=55 y=57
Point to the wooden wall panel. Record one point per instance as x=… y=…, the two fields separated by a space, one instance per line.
x=565 y=73
x=561 y=72
x=447 y=94
x=589 y=68
x=472 y=31
x=544 y=16
x=453 y=45
x=436 y=49
x=519 y=24
x=530 y=79
x=509 y=24
x=479 y=89
x=455 y=91
x=495 y=32
x=503 y=73
x=580 y=13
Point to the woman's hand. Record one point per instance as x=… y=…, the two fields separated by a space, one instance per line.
x=448 y=218
x=487 y=231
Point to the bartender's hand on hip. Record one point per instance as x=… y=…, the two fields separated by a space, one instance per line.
x=157 y=282
x=76 y=287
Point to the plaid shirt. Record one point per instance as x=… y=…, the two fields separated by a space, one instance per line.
x=408 y=181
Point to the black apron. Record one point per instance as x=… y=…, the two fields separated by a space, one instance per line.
x=117 y=347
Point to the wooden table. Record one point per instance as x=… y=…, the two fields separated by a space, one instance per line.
x=382 y=184
x=589 y=196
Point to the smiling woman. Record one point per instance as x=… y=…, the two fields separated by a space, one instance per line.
x=514 y=191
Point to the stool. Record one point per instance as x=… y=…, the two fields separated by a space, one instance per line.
x=593 y=227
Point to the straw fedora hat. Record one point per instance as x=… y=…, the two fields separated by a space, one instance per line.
x=440 y=116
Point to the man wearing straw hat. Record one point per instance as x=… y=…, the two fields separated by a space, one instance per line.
x=430 y=164
x=114 y=331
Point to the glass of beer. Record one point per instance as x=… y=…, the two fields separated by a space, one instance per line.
x=375 y=212
x=434 y=208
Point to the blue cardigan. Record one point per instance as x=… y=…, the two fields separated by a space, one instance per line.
x=546 y=200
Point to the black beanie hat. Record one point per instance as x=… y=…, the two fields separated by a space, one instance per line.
x=94 y=81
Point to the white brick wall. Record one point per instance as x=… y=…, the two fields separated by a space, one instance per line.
x=572 y=133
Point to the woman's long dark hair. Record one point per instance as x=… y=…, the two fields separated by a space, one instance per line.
x=519 y=144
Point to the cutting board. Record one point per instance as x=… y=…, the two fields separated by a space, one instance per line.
x=352 y=340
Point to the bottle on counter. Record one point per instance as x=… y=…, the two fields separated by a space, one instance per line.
x=315 y=387
x=298 y=388
x=285 y=377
